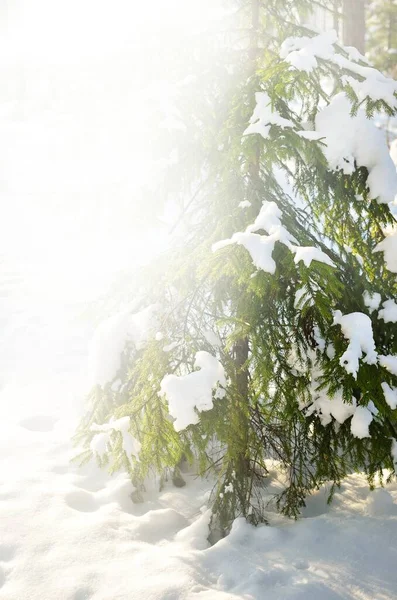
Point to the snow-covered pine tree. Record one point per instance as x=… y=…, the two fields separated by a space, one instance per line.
x=382 y=35
x=269 y=333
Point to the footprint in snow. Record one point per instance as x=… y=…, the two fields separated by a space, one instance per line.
x=317 y=504
x=7 y=552
x=8 y=495
x=301 y=564
x=89 y=484
x=61 y=469
x=40 y=423
x=81 y=501
x=83 y=593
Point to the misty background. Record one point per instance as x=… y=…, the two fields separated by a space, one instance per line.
x=80 y=83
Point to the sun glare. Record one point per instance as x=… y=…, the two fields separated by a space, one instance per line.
x=74 y=126
x=75 y=130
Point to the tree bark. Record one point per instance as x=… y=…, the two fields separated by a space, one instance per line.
x=241 y=348
x=336 y=16
x=254 y=33
x=354 y=24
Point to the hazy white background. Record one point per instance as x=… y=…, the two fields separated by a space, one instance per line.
x=78 y=82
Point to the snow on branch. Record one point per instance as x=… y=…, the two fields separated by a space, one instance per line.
x=264 y=116
x=360 y=422
x=308 y=253
x=328 y=407
x=388 y=312
x=100 y=442
x=389 y=247
x=302 y=54
x=350 y=141
x=390 y=394
x=357 y=329
x=194 y=390
x=356 y=142
x=111 y=337
x=372 y=301
x=261 y=247
x=389 y=362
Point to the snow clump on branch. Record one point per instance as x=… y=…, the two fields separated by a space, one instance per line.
x=357 y=328
x=261 y=247
x=388 y=312
x=111 y=337
x=194 y=390
x=372 y=301
x=100 y=442
x=389 y=247
x=264 y=116
x=302 y=54
x=356 y=142
x=350 y=140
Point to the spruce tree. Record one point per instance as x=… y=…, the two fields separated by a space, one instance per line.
x=262 y=339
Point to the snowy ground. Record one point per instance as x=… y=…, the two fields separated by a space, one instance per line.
x=74 y=534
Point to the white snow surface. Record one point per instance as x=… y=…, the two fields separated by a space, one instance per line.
x=186 y=393
x=70 y=533
x=356 y=140
x=357 y=328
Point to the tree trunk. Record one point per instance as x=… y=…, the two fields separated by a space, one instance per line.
x=354 y=24
x=241 y=347
x=336 y=16
x=253 y=54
